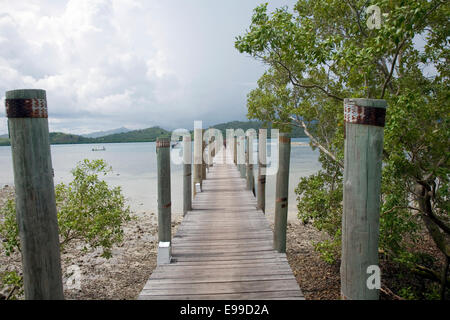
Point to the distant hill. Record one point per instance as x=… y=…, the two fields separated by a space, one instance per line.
x=64 y=138
x=4 y=136
x=4 y=142
x=99 y=134
x=149 y=134
x=144 y=135
x=245 y=125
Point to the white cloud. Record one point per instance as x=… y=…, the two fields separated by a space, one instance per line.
x=135 y=63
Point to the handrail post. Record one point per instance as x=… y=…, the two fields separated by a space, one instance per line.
x=198 y=159
x=35 y=194
x=235 y=150
x=364 y=124
x=244 y=165
x=203 y=157
x=164 y=200
x=187 y=174
x=249 y=164
x=241 y=155
x=213 y=144
x=282 y=193
x=261 y=187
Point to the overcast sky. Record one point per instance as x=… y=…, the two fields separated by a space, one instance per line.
x=134 y=63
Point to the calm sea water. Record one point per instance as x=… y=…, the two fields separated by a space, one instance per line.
x=134 y=169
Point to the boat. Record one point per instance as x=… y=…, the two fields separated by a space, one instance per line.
x=99 y=149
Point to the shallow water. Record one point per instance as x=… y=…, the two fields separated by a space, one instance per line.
x=134 y=169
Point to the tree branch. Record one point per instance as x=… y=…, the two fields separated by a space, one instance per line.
x=388 y=79
x=295 y=82
x=317 y=144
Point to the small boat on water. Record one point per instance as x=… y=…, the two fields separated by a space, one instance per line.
x=99 y=149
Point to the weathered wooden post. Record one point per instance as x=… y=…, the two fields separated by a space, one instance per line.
x=364 y=122
x=35 y=193
x=241 y=155
x=203 y=159
x=249 y=164
x=235 y=150
x=164 y=200
x=187 y=174
x=282 y=193
x=198 y=158
x=213 y=144
x=261 y=188
x=244 y=158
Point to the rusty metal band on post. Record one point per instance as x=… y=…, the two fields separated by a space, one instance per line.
x=162 y=143
x=364 y=115
x=284 y=200
x=284 y=139
x=26 y=108
x=262 y=179
x=168 y=205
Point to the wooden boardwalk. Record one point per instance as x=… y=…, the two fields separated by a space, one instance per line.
x=223 y=249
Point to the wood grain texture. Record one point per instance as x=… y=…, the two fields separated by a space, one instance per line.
x=223 y=249
x=187 y=174
x=164 y=196
x=360 y=221
x=262 y=161
x=282 y=193
x=35 y=203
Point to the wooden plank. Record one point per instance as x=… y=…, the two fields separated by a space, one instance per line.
x=233 y=269
x=219 y=287
x=241 y=262
x=269 y=295
x=222 y=278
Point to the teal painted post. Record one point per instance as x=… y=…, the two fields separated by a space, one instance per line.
x=364 y=123
x=198 y=158
x=282 y=193
x=241 y=156
x=261 y=187
x=35 y=194
x=235 y=150
x=164 y=197
x=249 y=164
x=187 y=174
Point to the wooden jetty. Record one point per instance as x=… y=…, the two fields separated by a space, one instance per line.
x=223 y=249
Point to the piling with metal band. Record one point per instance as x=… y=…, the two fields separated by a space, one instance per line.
x=241 y=155
x=282 y=193
x=203 y=159
x=261 y=187
x=249 y=164
x=235 y=150
x=198 y=158
x=244 y=157
x=213 y=144
x=164 y=198
x=35 y=193
x=364 y=124
x=187 y=175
